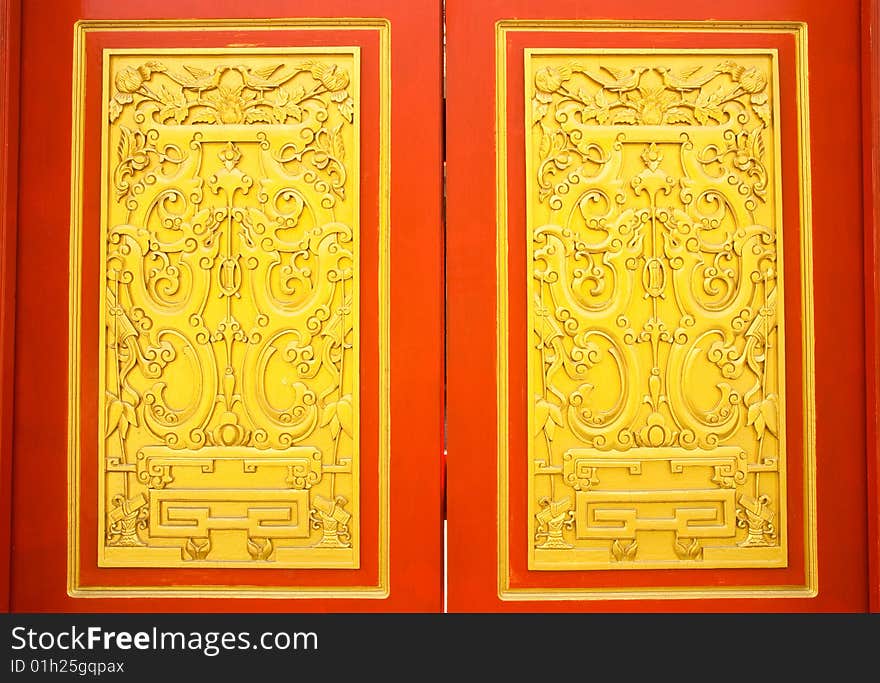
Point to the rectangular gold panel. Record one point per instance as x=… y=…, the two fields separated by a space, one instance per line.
x=230 y=308
x=656 y=342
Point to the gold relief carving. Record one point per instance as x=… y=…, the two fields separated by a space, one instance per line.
x=230 y=314
x=656 y=344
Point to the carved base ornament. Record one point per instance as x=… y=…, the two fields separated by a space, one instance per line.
x=656 y=346
x=230 y=315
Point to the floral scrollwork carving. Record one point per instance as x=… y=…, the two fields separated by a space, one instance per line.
x=230 y=309
x=655 y=322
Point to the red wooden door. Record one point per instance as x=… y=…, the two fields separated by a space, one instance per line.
x=260 y=152
x=590 y=412
x=656 y=380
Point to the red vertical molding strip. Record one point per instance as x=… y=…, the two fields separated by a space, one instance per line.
x=10 y=36
x=871 y=161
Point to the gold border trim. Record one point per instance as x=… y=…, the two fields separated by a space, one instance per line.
x=811 y=587
x=382 y=589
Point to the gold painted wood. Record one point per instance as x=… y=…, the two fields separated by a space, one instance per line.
x=656 y=342
x=230 y=309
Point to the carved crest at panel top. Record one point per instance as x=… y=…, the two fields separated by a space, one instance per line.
x=230 y=309
x=655 y=349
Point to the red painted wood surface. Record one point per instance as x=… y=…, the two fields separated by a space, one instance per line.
x=9 y=65
x=871 y=161
x=40 y=475
x=834 y=61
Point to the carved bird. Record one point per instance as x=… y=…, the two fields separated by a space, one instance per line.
x=751 y=80
x=197 y=79
x=620 y=80
x=684 y=79
x=258 y=79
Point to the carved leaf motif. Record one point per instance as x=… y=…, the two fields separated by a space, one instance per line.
x=344 y=103
x=114 y=414
x=755 y=418
x=346 y=108
x=546 y=144
x=769 y=413
x=204 y=116
x=174 y=105
x=344 y=414
x=124 y=148
x=547 y=417
x=678 y=115
x=621 y=552
x=763 y=416
x=338 y=415
x=757 y=143
x=603 y=108
x=688 y=551
x=706 y=107
x=260 y=548
x=284 y=107
x=761 y=107
x=294 y=111
x=114 y=109
x=120 y=415
x=257 y=116
x=197 y=548
x=629 y=116
x=539 y=110
x=337 y=144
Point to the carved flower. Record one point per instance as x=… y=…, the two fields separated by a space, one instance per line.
x=549 y=78
x=651 y=104
x=229 y=104
x=230 y=156
x=652 y=157
x=752 y=80
x=128 y=80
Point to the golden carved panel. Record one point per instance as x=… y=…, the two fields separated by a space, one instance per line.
x=656 y=347
x=229 y=385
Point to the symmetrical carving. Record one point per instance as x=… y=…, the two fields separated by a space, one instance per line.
x=229 y=383
x=655 y=349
